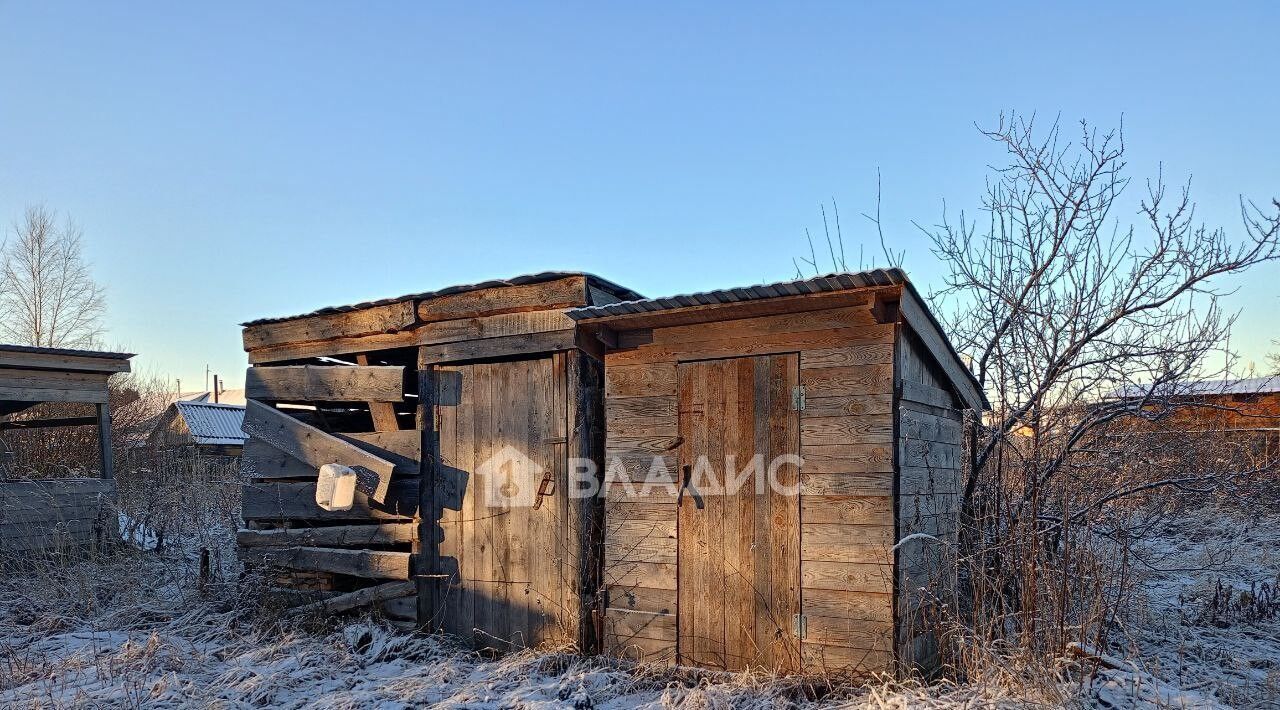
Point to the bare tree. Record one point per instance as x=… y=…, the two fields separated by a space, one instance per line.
x=1080 y=326
x=1059 y=302
x=47 y=295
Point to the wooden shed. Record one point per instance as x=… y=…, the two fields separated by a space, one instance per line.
x=462 y=409
x=41 y=514
x=846 y=389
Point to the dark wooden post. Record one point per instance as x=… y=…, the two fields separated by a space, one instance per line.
x=586 y=441
x=104 y=441
x=424 y=548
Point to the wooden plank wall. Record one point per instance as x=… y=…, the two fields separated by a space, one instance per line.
x=930 y=451
x=847 y=481
x=51 y=515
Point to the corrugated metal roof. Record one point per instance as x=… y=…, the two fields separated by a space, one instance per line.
x=64 y=351
x=1202 y=388
x=817 y=284
x=593 y=280
x=213 y=424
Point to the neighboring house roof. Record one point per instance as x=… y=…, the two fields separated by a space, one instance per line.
x=592 y=279
x=1201 y=388
x=213 y=424
x=914 y=310
x=235 y=396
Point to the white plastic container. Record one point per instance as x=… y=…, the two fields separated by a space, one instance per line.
x=336 y=487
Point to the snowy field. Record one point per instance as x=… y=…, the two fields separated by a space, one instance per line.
x=140 y=635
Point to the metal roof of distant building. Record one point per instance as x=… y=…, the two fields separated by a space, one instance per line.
x=593 y=280
x=64 y=351
x=1202 y=388
x=213 y=424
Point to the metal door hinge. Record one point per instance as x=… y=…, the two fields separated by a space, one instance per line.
x=797 y=398
x=800 y=625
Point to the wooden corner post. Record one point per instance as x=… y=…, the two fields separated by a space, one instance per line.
x=424 y=547
x=104 y=441
x=586 y=442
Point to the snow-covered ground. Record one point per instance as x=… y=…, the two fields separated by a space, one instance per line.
x=138 y=634
x=1228 y=651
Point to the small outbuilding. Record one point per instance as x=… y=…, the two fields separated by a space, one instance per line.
x=834 y=404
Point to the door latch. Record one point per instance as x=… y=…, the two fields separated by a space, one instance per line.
x=797 y=398
x=800 y=625
x=545 y=488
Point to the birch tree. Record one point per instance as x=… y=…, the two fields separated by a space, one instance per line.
x=48 y=297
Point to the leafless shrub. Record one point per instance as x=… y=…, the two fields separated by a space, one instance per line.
x=1061 y=303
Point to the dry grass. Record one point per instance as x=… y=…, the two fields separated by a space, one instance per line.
x=134 y=630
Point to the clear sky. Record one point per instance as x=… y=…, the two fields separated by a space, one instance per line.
x=230 y=161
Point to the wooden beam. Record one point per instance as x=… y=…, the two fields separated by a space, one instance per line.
x=370 y=564
x=312 y=446
x=527 y=344
x=83 y=363
x=374 y=320
x=46 y=423
x=356 y=599
x=297 y=501
x=104 y=442
x=384 y=415
x=324 y=383
x=497 y=326
x=338 y=347
x=561 y=293
x=50 y=394
x=330 y=536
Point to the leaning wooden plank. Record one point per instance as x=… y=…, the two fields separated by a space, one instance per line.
x=373 y=320
x=312 y=446
x=384 y=415
x=332 y=536
x=297 y=501
x=358 y=598
x=370 y=564
x=402 y=447
x=262 y=460
x=560 y=293
x=318 y=383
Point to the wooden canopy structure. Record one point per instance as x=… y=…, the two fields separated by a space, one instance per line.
x=31 y=376
x=470 y=412
x=36 y=515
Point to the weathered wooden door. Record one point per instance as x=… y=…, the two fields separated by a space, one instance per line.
x=500 y=500
x=738 y=540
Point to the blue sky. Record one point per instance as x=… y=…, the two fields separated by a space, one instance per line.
x=230 y=161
